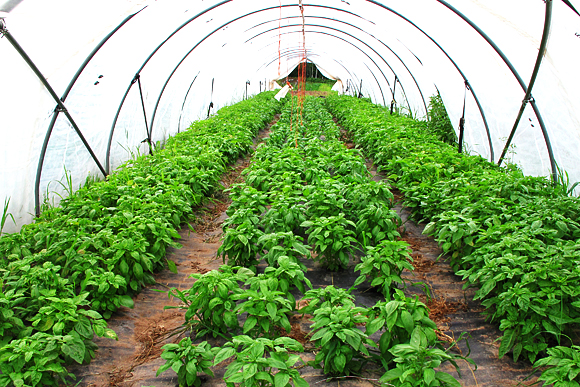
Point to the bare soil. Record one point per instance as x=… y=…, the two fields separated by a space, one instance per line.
x=134 y=359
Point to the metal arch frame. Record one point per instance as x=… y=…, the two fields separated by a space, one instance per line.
x=108 y=156
x=340 y=10
x=224 y=2
x=107 y=164
x=191 y=50
x=322 y=17
x=354 y=77
x=571 y=6
x=276 y=7
x=380 y=88
x=528 y=97
x=240 y=17
x=295 y=52
x=466 y=81
x=381 y=42
x=57 y=110
x=379 y=55
x=518 y=77
x=60 y=107
x=292 y=52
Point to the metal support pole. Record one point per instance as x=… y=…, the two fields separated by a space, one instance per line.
x=462 y=119
x=515 y=73
x=360 y=89
x=60 y=105
x=148 y=139
x=55 y=116
x=393 y=102
x=528 y=97
x=457 y=68
x=211 y=99
x=461 y=131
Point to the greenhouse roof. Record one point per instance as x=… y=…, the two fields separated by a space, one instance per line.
x=86 y=85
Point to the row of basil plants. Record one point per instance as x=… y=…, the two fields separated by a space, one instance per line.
x=514 y=237
x=62 y=276
x=303 y=183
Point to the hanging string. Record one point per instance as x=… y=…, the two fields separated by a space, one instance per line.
x=302 y=67
x=279 y=39
x=292 y=114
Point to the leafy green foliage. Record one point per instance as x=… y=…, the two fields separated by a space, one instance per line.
x=240 y=244
x=10 y=324
x=37 y=360
x=325 y=199
x=63 y=315
x=409 y=340
x=377 y=222
x=286 y=276
x=457 y=232
x=327 y=297
x=439 y=123
x=283 y=244
x=416 y=365
x=267 y=310
x=80 y=262
x=563 y=366
x=287 y=211
x=399 y=318
x=383 y=265
x=333 y=240
x=510 y=235
x=256 y=359
x=211 y=301
x=187 y=360
x=341 y=343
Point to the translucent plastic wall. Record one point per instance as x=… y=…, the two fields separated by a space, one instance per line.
x=147 y=69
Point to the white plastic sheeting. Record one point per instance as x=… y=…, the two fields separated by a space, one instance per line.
x=192 y=57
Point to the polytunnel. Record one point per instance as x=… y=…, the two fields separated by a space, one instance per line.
x=129 y=71
x=88 y=86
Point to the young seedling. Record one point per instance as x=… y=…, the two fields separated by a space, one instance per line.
x=383 y=265
x=188 y=360
x=211 y=301
x=256 y=360
x=341 y=343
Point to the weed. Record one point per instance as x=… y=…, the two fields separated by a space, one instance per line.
x=439 y=123
x=5 y=215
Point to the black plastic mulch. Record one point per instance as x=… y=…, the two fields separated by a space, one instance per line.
x=134 y=359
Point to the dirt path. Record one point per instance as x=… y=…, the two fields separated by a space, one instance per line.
x=142 y=331
x=454 y=310
x=134 y=359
